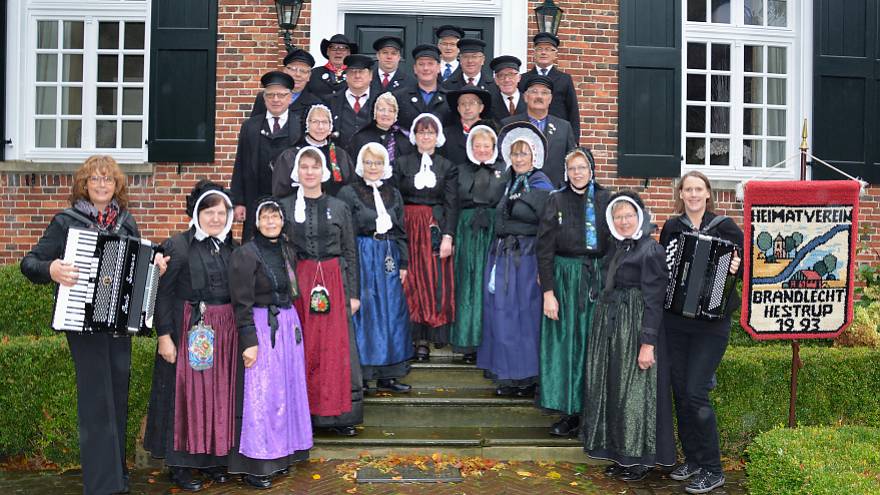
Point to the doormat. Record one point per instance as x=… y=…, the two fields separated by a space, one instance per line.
x=800 y=249
x=425 y=473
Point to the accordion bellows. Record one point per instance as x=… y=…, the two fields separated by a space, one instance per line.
x=700 y=282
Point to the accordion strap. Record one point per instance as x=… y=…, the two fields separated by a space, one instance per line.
x=704 y=228
x=120 y=221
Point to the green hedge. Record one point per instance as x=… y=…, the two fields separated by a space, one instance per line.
x=26 y=308
x=815 y=461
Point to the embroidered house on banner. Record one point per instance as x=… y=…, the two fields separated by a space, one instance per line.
x=800 y=248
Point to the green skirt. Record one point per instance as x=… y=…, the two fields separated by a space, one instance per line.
x=475 y=231
x=619 y=421
x=564 y=341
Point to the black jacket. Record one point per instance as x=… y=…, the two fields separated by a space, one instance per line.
x=500 y=110
x=410 y=104
x=565 y=103
x=458 y=80
x=400 y=80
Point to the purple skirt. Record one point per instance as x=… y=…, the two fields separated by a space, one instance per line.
x=275 y=414
x=512 y=314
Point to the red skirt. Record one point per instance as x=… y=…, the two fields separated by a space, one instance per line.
x=204 y=401
x=328 y=366
x=429 y=287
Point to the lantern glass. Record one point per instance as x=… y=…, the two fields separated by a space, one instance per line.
x=288 y=13
x=548 y=17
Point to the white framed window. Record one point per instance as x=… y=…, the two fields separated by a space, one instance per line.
x=744 y=86
x=82 y=82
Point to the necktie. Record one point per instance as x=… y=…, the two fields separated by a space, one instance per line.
x=470 y=81
x=510 y=106
x=543 y=72
x=357 y=103
x=447 y=72
x=276 y=126
x=385 y=81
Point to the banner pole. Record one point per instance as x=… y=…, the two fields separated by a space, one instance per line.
x=795 y=345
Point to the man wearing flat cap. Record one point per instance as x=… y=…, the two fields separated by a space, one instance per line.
x=261 y=139
x=447 y=42
x=297 y=64
x=426 y=95
x=468 y=106
x=352 y=108
x=472 y=72
x=329 y=79
x=560 y=138
x=387 y=77
x=507 y=99
x=565 y=104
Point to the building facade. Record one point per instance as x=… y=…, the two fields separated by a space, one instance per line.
x=665 y=86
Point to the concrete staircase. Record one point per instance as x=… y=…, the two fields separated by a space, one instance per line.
x=451 y=409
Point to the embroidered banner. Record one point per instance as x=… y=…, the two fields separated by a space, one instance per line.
x=800 y=247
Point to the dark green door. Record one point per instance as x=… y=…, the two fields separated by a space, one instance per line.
x=414 y=30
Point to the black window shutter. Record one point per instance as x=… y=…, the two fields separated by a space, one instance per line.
x=649 y=93
x=183 y=60
x=846 y=88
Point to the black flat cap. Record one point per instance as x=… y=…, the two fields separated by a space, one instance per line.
x=449 y=30
x=299 y=55
x=484 y=96
x=471 y=45
x=338 y=39
x=276 y=77
x=358 y=61
x=505 y=62
x=546 y=38
x=426 y=51
x=386 y=41
x=539 y=79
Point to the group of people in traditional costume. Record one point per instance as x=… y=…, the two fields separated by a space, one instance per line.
x=385 y=214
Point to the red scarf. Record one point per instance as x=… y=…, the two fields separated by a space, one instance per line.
x=332 y=68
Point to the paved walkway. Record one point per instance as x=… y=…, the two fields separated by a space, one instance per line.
x=336 y=478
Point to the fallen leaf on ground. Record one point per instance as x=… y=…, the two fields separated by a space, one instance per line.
x=553 y=475
x=316 y=476
x=524 y=474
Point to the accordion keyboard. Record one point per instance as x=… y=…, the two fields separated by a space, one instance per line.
x=81 y=253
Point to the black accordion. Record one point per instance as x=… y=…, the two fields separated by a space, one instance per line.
x=116 y=288
x=700 y=282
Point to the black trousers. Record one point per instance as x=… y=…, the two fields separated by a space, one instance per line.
x=103 y=366
x=694 y=357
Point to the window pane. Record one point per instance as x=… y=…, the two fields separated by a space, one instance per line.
x=47 y=34
x=73 y=68
x=776 y=59
x=71 y=101
x=754 y=12
x=47 y=67
x=108 y=35
x=131 y=134
x=720 y=88
x=753 y=121
x=73 y=35
x=71 y=133
x=696 y=119
x=107 y=69
x=132 y=102
x=105 y=133
x=775 y=91
x=719 y=152
x=720 y=120
x=134 y=35
x=696 y=10
x=44 y=133
x=775 y=122
x=777 y=13
x=753 y=58
x=720 y=57
x=696 y=56
x=695 y=151
x=752 y=153
x=106 y=101
x=753 y=90
x=721 y=11
x=133 y=68
x=45 y=101
x=696 y=87
x=775 y=152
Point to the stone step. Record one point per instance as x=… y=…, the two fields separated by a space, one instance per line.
x=507 y=443
x=446 y=372
x=451 y=407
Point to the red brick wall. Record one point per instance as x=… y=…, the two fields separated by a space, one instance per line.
x=250 y=44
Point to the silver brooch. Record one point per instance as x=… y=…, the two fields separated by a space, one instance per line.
x=325 y=76
x=414 y=99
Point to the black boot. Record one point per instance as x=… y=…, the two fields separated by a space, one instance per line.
x=392 y=385
x=217 y=474
x=183 y=479
x=258 y=482
x=635 y=473
x=567 y=426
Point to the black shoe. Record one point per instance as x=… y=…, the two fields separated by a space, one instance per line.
x=258 y=482
x=392 y=385
x=423 y=353
x=183 y=479
x=502 y=391
x=527 y=391
x=567 y=426
x=705 y=482
x=684 y=471
x=469 y=358
x=344 y=431
x=635 y=473
x=217 y=474
x=614 y=470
